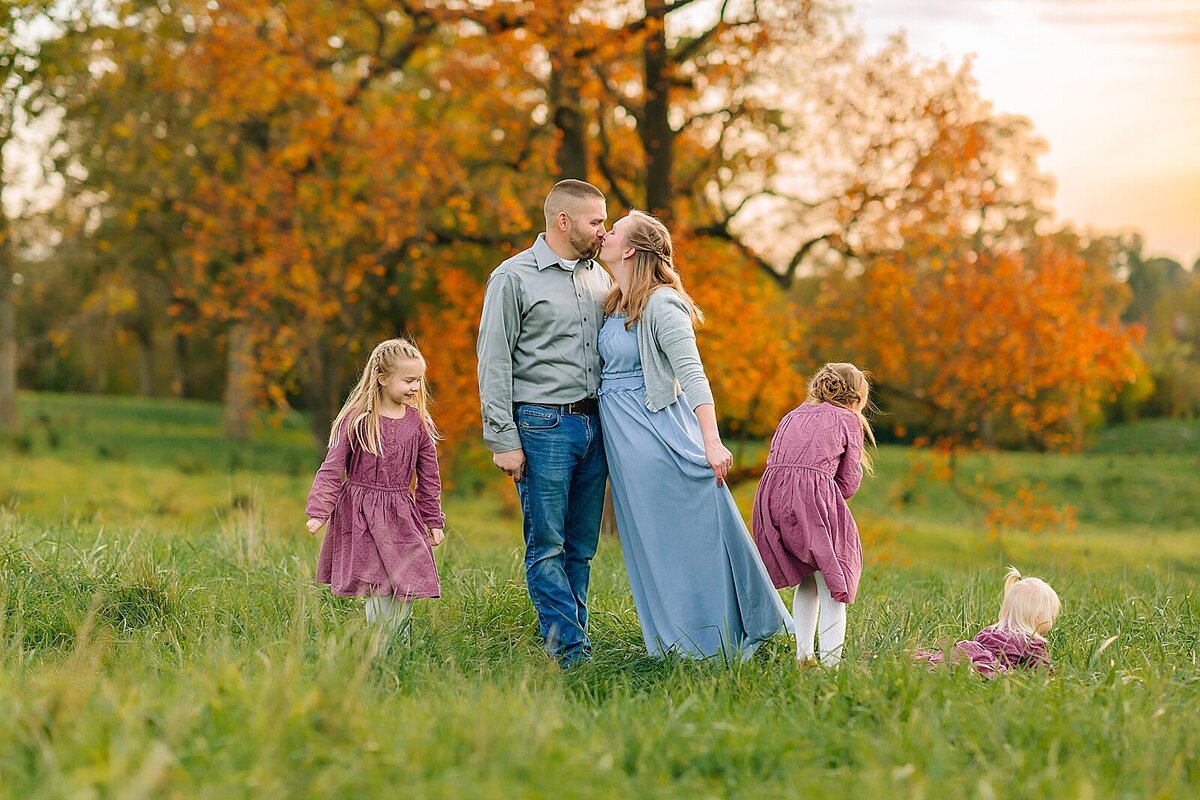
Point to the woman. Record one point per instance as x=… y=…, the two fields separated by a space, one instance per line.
x=698 y=584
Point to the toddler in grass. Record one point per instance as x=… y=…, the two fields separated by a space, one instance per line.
x=802 y=525
x=1028 y=611
x=381 y=535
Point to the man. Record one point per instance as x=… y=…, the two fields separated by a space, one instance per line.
x=538 y=377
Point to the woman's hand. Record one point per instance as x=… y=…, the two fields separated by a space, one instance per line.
x=315 y=525
x=437 y=536
x=719 y=458
x=717 y=454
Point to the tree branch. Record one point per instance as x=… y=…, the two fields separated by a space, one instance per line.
x=686 y=51
x=606 y=169
x=720 y=230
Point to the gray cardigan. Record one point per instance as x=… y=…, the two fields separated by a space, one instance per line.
x=670 y=359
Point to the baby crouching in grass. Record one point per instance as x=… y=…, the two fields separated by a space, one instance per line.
x=1027 y=612
x=381 y=534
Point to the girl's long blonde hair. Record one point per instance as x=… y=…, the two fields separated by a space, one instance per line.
x=1028 y=602
x=845 y=385
x=653 y=266
x=362 y=406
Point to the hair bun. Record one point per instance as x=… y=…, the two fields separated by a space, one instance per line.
x=829 y=385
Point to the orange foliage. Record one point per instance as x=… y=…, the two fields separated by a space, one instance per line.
x=979 y=331
x=750 y=341
x=446 y=333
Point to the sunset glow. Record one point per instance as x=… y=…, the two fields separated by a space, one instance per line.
x=1112 y=85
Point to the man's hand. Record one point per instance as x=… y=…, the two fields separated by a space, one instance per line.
x=511 y=463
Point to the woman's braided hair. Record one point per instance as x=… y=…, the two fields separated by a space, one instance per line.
x=653 y=266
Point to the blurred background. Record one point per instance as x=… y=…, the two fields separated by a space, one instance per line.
x=994 y=206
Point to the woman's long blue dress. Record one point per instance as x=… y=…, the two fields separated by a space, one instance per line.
x=698 y=583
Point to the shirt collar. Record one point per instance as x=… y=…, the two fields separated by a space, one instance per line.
x=546 y=257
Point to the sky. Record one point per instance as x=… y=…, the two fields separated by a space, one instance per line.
x=1112 y=85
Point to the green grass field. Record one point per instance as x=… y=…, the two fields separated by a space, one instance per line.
x=162 y=637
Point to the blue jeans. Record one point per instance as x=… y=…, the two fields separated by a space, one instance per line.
x=562 y=497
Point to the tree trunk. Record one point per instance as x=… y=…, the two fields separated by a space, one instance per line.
x=324 y=387
x=657 y=136
x=181 y=383
x=239 y=394
x=568 y=117
x=10 y=420
x=145 y=345
x=987 y=432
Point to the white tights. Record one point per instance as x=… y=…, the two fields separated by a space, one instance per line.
x=388 y=611
x=812 y=595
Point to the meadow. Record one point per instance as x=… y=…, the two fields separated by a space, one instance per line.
x=161 y=636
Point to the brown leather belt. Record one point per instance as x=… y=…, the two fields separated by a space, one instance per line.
x=588 y=405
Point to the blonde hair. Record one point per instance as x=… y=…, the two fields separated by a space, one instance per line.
x=845 y=385
x=653 y=266
x=1028 y=602
x=362 y=406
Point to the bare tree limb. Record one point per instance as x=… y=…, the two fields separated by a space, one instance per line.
x=606 y=169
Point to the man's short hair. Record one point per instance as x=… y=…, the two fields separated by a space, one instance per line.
x=566 y=195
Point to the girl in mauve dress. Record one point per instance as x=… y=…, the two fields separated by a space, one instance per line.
x=381 y=534
x=1028 y=611
x=803 y=528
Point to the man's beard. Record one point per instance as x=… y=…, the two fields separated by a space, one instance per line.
x=588 y=247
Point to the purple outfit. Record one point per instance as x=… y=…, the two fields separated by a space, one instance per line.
x=996 y=650
x=802 y=524
x=376 y=542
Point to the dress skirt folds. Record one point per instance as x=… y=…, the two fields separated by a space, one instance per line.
x=698 y=583
x=376 y=542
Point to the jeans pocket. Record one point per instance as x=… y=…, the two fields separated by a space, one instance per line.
x=537 y=419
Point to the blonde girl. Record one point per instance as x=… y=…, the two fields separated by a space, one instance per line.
x=803 y=527
x=381 y=534
x=1027 y=612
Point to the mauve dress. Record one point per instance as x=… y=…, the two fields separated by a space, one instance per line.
x=376 y=542
x=801 y=521
x=698 y=586
x=996 y=650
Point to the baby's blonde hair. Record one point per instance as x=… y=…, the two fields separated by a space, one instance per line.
x=845 y=385
x=362 y=406
x=1028 y=602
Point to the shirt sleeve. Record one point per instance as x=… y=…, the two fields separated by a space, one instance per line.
x=429 y=482
x=499 y=328
x=849 y=471
x=676 y=337
x=327 y=485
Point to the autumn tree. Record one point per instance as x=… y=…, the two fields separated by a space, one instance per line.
x=976 y=325
x=359 y=168
x=1165 y=302
x=21 y=69
x=294 y=215
x=124 y=156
